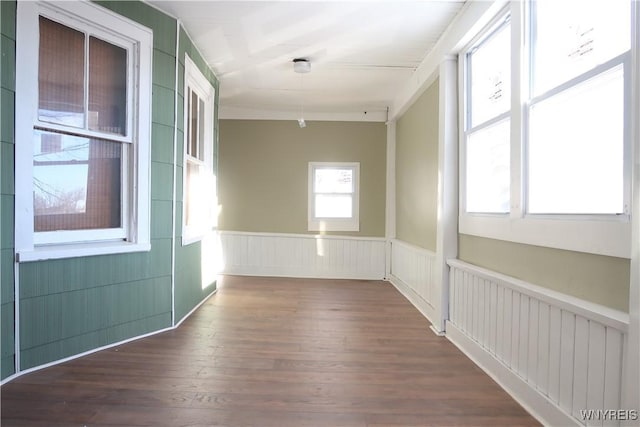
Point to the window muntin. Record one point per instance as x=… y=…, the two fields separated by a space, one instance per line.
x=200 y=196
x=333 y=196
x=487 y=138
x=77 y=105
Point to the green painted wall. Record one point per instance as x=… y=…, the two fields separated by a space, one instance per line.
x=7 y=97
x=69 y=306
x=264 y=172
x=417 y=171
x=73 y=305
x=600 y=279
x=189 y=287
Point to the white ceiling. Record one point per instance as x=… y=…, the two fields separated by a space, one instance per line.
x=361 y=52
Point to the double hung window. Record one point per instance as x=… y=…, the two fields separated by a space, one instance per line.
x=334 y=196
x=200 y=201
x=82 y=135
x=545 y=151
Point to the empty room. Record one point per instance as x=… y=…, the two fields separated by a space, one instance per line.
x=320 y=213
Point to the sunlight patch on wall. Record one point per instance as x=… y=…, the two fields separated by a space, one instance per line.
x=212 y=263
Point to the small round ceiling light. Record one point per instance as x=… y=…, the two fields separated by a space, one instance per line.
x=301 y=65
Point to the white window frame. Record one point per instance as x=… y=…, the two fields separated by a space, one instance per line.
x=134 y=233
x=598 y=234
x=198 y=83
x=334 y=224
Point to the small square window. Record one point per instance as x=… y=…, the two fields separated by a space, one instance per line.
x=333 y=196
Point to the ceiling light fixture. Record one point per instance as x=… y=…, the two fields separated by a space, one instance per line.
x=301 y=66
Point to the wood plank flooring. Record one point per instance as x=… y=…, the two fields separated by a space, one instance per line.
x=274 y=352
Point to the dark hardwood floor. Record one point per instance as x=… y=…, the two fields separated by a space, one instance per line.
x=274 y=352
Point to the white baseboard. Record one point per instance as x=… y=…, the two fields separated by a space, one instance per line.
x=423 y=306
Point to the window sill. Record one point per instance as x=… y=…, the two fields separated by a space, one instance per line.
x=80 y=250
x=190 y=239
x=601 y=237
x=192 y=235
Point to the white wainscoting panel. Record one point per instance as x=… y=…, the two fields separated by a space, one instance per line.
x=412 y=273
x=303 y=255
x=558 y=355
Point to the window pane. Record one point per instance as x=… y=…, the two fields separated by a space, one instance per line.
x=332 y=180
x=193 y=123
x=107 y=87
x=334 y=206
x=490 y=73
x=195 y=209
x=76 y=182
x=572 y=37
x=200 y=195
x=61 y=74
x=201 y=130
x=488 y=169
x=576 y=149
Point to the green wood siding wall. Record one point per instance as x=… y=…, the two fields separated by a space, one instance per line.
x=7 y=97
x=189 y=290
x=69 y=306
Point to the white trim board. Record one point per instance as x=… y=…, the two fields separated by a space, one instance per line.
x=631 y=395
x=244 y=113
